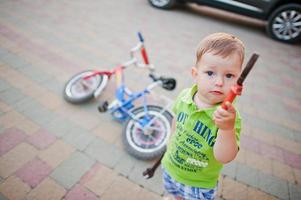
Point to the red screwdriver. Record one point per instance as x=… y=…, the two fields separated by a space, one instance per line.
x=237 y=88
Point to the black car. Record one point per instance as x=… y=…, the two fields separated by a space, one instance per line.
x=283 y=16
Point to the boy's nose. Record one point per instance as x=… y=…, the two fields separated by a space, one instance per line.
x=219 y=81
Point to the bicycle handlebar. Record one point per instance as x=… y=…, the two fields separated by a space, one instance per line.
x=140 y=47
x=140 y=37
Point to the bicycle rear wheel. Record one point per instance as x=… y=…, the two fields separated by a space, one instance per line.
x=150 y=142
x=78 y=90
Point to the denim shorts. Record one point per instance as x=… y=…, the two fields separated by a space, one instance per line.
x=187 y=192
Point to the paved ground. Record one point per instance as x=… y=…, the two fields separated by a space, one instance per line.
x=50 y=149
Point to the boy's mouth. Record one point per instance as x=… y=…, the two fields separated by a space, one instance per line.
x=216 y=92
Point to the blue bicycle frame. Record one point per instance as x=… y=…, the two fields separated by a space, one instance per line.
x=121 y=106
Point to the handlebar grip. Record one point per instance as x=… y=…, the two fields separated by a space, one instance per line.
x=140 y=37
x=168 y=83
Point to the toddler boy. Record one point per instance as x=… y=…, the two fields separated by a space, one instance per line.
x=205 y=136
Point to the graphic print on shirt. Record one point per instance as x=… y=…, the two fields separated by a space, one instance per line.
x=192 y=144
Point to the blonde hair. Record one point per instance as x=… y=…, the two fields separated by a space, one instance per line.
x=222 y=44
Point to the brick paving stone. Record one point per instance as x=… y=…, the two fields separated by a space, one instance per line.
x=241 y=156
x=272 y=128
x=11 y=96
x=4 y=107
x=72 y=169
x=248 y=142
x=27 y=103
x=271 y=151
x=146 y=195
x=3 y=51
x=84 y=179
x=289 y=145
x=79 y=193
x=34 y=90
x=292 y=159
x=297 y=175
x=34 y=172
x=79 y=138
x=233 y=189
x=41 y=139
x=294 y=191
x=9 y=139
x=264 y=136
x=50 y=100
x=84 y=119
x=11 y=118
x=155 y=184
x=14 y=159
x=273 y=185
x=53 y=85
x=101 y=180
x=2 y=197
x=121 y=188
x=60 y=126
x=103 y=152
x=28 y=126
x=35 y=74
x=56 y=153
x=14 y=61
x=230 y=169
x=14 y=188
x=4 y=85
x=40 y=115
x=109 y=136
x=282 y=171
x=125 y=164
x=262 y=163
x=10 y=75
x=255 y=194
x=48 y=189
x=247 y=175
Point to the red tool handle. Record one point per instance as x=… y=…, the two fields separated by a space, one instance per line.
x=235 y=90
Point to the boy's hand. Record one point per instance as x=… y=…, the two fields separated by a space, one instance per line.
x=225 y=119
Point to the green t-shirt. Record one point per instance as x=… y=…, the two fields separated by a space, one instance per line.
x=189 y=158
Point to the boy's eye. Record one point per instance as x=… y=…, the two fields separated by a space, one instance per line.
x=229 y=75
x=210 y=73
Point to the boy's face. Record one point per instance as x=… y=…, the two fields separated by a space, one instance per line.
x=215 y=75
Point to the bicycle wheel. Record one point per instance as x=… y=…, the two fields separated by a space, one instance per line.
x=151 y=142
x=78 y=90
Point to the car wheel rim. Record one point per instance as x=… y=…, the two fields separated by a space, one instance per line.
x=287 y=25
x=160 y=3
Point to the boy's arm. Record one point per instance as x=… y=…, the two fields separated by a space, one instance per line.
x=225 y=147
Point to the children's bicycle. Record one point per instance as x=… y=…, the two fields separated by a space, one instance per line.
x=147 y=127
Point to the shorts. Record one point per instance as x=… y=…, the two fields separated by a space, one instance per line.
x=187 y=192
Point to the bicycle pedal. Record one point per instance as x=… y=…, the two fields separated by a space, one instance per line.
x=103 y=107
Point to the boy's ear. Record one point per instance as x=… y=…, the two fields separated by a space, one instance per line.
x=194 y=72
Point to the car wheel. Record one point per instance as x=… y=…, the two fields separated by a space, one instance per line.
x=163 y=4
x=284 y=24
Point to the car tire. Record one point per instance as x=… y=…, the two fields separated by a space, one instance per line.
x=163 y=4
x=284 y=24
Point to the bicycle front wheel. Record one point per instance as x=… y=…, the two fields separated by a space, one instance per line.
x=78 y=90
x=148 y=142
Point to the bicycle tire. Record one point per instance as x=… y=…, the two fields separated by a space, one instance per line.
x=69 y=92
x=130 y=138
